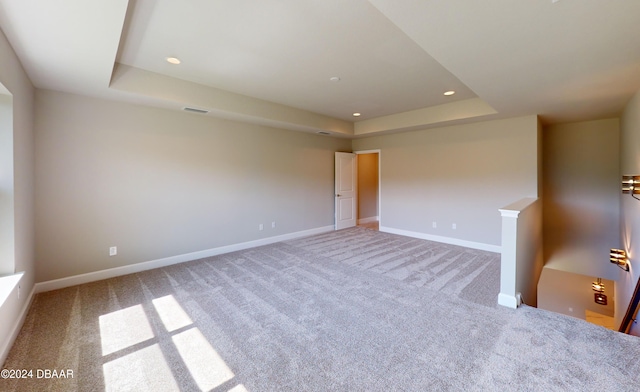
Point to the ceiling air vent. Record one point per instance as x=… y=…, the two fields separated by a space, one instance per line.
x=323 y=133
x=194 y=110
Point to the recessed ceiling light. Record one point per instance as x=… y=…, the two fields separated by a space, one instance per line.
x=173 y=60
x=334 y=79
x=450 y=92
x=356 y=114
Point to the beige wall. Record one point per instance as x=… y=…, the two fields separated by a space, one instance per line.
x=629 y=208
x=571 y=294
x=367 y=185
x=459 y=174
x=159 y=183
x=7 y=216
x=13 y=77
x=530 y=246
x=15 y=80
x=581 y=196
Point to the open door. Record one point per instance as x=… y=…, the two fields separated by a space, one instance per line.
x=346 y=197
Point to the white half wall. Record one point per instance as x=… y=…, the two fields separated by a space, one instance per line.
x=522 y=260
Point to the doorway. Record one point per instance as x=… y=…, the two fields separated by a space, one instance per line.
x=368 y=175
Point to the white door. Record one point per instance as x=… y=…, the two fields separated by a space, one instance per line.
x=346 y=182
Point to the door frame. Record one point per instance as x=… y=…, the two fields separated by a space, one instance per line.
x=379 y=152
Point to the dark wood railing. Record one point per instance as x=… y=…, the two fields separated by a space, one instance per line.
x=632 y=311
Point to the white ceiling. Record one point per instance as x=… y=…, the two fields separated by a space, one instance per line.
x=270 y=61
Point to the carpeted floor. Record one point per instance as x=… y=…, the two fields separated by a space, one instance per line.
x=354 y=310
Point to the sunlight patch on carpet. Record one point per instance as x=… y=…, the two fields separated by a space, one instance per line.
x=124 y=328
x=142 y=370
x=171 y=313
x=207 y=368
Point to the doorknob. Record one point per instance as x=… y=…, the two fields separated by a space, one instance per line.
x=338 y=195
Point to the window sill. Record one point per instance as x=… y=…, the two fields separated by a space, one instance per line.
x=8 y=285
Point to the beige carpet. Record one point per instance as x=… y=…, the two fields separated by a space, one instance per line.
x=355 y=310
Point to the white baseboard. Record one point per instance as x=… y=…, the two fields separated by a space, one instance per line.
x=445 y=240
x=15 y=330
x=368 y=220
x=508 y=300
x=148 y=265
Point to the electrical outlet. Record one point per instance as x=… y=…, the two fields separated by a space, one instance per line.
x=260 y=226
x=434 y=225
x=113 y=251
x=273 y=225
x=453 y=226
